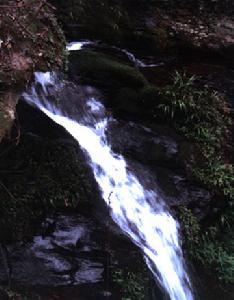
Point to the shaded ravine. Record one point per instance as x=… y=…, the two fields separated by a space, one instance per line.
x=139 y=212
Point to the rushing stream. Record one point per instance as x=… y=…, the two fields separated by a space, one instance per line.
x=139 y=212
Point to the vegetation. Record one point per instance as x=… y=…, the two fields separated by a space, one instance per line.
x=213 y=246
x=204 y=118
x=133 y=284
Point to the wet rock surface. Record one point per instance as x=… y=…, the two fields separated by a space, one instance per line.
x=154 y=147
x=159 y=150
x=65 y=255
x=72 y=254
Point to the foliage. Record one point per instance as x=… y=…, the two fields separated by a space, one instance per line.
x=204 y=118
x=133 y=284
x=191 y=228
x=218 y=255
x=219 y=176
x=187 y=105
x=207 y=245
x=179 y=98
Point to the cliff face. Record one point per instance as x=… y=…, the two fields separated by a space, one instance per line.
x=30 y=39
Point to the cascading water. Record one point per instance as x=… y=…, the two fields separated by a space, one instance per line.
x=75 y=46
x=139 y=212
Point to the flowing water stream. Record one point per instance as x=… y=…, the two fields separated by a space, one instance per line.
x=139 y=212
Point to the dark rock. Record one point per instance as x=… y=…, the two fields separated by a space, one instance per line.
x=143 y=144
x=154 y=26
x=158 y=157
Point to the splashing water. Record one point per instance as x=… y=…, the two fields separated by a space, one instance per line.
x=150 y=227
x=76 y=46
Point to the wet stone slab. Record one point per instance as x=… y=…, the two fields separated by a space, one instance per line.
x=64 y=254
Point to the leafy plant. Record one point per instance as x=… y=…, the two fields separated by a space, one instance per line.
x=204 y=118
x=133 y=284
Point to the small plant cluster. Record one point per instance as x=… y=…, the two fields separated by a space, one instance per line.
x=213 y=247
x=204 y=118
x=133 y=285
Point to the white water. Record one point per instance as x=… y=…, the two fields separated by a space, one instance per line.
x=139 y=212
x=76 y=46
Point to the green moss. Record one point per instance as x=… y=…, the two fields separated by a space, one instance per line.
x=126 y=101
x=149 y=96
x=137 y=102
x=104 y=70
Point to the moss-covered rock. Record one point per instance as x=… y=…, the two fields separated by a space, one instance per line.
x=104 y=70
x=136 y=102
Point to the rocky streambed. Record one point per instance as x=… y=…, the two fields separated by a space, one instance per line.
x=58 y=241
x=79 y=254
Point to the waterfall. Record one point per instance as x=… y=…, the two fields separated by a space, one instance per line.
x=140 y=213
